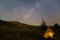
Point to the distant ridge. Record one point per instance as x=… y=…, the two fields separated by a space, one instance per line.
x=15 y=26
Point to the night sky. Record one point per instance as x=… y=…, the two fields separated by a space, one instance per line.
x=30 y=11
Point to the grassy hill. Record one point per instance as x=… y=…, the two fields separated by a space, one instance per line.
x=13 y=30
x=15 y=26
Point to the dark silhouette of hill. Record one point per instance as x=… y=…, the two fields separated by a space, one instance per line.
x=13 y=30
x=15 y=25
x=10 y=30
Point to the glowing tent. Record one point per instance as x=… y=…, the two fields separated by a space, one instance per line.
x=49 y=33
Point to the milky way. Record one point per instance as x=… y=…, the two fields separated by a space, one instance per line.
x=30 y=11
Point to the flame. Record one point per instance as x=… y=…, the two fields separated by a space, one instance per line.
x=49 y=33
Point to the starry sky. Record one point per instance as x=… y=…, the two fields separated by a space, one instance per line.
x=30 y=11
